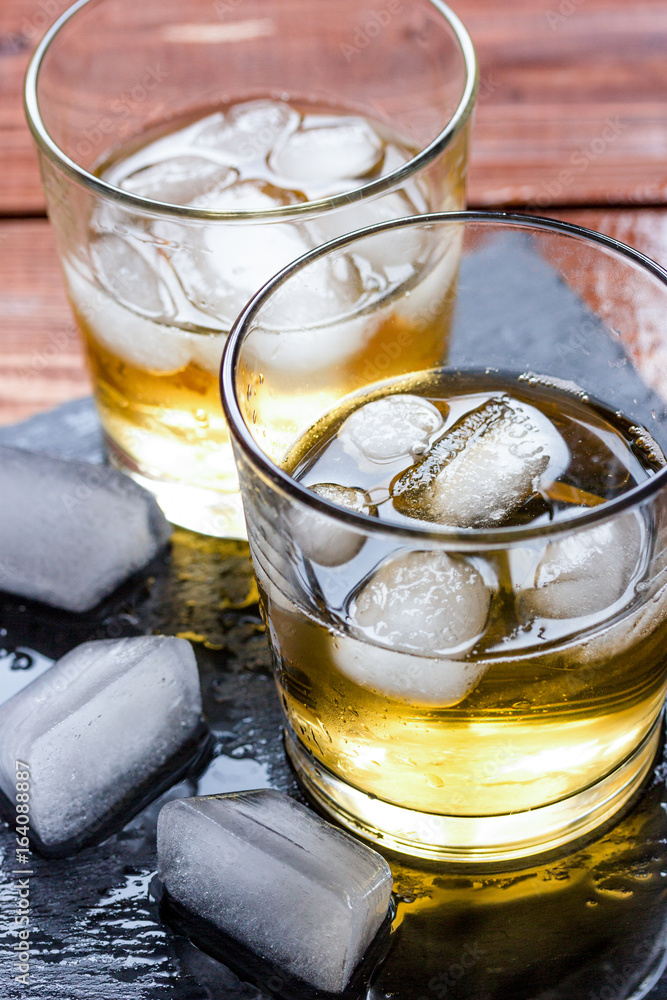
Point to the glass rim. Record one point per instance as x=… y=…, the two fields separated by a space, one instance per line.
x=374 y=188
x=468 y=539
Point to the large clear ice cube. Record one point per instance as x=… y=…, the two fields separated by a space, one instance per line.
x=411 y=624
x=181 y=180
x=389 y=428
x=247 y=131
x=330 y=150
x=272 y=875
x=230 y=261
x=587 y=571
x=97 y=729
x=423 y=602
x=485 y=467
x=320 y=537
x=71 y=532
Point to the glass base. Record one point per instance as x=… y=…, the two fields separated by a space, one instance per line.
x=206 y=511
x=479 y=839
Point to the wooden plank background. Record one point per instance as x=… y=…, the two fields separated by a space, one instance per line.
x=571 y=122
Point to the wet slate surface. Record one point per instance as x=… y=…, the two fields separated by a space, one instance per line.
x=589 y=926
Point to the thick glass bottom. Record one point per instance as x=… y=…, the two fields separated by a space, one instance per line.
x=478 y=839
x=206 y=511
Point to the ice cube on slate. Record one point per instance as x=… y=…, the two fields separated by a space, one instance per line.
x=427 y=609
x=271 y=874
x=388 y=428
x=71 y=532
x=484 y=467
x=94 y=729
x=324 y=540
x=587 y=571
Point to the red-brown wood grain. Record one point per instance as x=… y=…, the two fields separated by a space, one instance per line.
x=41 y=363
x=571 y=121
x=40 y=358
x=572 y=107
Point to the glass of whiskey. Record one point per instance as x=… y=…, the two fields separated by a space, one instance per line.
x=462 y=566
x=189 y=151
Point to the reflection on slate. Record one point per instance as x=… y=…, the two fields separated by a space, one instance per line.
x=590 y=926
x=551 y=332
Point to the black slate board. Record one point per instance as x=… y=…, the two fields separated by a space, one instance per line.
x=588 y=926
x=515 y=314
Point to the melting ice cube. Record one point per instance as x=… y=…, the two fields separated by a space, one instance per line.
x=269 y=548
x=484 y=467
x=181 y=180
x=206 y=350
x=388 y=259
x=419 y=263
x=420 y=680
x=269 y=873
x=423 y=602
x=230 y=262
x=391 y=427
x=320 y=326
x=253 y=195
x=130 y=278
x=247 y=131
x=71 y=532
x=263 y=116
x=329 y=151
x=415 y=618
x=587 y=571
x=320 y=537
x=100 y=731
x=139 y=341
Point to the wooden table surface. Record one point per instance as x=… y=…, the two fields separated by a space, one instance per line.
x=571 y=123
